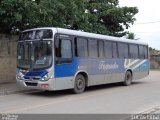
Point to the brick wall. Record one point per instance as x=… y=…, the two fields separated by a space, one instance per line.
x=8 y=48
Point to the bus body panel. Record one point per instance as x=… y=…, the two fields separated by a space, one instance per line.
x=64 y=83
x=103 y=76
x=99 y=71
x=40 y=85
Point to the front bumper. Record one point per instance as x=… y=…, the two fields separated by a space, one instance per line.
x=36 y=84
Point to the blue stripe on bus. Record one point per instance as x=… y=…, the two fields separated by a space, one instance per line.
x=96 y=67
x=145 y=66
x=66 y=69
x=35 y=74
x=93 y=67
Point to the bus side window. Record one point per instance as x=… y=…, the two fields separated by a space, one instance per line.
x=133 y=49
x=66 y=49
x=63 y=51
x=100 y=49
x=93 y=48
x=141 y=52
x=81 y=47
x=57 y=48
x=146 y=52
x=115 y=50
x=108 y=49
x=123 y=50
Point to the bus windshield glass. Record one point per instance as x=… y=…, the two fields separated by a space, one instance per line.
x=34 y=55
x=36 y=34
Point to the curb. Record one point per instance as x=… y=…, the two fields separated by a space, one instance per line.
x=12 y=88
x=16 y=92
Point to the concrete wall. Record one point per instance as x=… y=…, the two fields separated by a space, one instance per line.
x=8 y=48
x=155 y=61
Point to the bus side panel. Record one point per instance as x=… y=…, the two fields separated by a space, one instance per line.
x=100 y=71
x=106 y=71
x=64 y=74
x=142 y=68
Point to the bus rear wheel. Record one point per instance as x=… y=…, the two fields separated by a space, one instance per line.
x=128 y=78
x=79 y=84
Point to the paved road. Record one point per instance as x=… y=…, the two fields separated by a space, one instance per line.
x=143 y=95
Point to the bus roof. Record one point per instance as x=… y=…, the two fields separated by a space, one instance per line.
x=89 y=35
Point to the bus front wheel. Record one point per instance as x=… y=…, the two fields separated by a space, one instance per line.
x=128 y=78
x=79 y=84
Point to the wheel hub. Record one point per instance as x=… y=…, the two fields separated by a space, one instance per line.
x=79 y=83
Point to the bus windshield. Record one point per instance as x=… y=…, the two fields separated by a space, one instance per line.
x=36 y=34
x=34 y=55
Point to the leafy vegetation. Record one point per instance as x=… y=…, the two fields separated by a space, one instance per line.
x=98 y=16
x=131 y=36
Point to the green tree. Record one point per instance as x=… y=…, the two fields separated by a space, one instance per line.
x=110 y=15
x=16 y=15
x=130 y=35
x=98 y=16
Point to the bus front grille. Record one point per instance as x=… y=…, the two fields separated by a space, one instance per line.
x=31 y=84
x=33 y=73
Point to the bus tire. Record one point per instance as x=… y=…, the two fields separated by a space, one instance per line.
x=79 y=84
x=128 y=78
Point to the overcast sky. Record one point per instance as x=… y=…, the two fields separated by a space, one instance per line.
x=147 y=25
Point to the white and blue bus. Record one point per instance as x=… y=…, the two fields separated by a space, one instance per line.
x=56 y=59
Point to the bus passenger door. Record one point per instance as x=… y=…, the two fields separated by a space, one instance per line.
x=64 y=64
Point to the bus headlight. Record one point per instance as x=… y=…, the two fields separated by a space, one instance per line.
x=45 y=77
x=19 y=76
